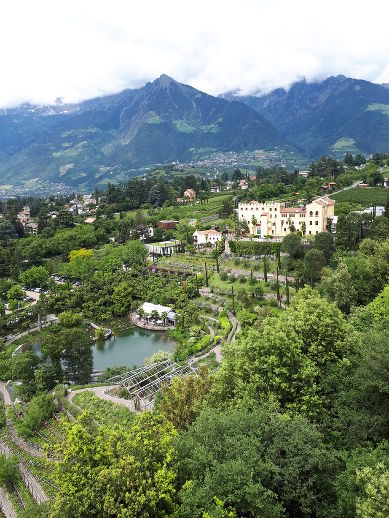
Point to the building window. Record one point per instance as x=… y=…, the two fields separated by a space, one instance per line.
x=310 y=213
x=310 y=232
x=317 y=213
x=310 y=222
x=316 y=222
x=284 y=229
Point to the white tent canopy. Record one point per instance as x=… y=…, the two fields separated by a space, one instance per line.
x=148 y=308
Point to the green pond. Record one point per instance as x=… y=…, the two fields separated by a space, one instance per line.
x=128 y=348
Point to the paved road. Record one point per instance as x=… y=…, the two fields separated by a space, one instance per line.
x=352 y=186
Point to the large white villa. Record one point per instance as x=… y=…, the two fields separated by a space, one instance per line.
x=272 y=218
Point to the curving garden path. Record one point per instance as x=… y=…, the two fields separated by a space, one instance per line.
x=101 y=392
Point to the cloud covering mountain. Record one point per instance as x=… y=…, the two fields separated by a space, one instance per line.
x=79 y=50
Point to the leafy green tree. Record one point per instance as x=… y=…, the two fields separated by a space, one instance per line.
x=291 y=244
x=77 y=355
x=324 y=241
x=113 y=471
x=261 y=462
x=7 y=232
x=340 y=288
x=23 y=367
x=15 y=293
x=348 y=484
x=134 y=253
x=69 y=319
x=379 y=228
x=122 y=299
x=52 y=348
x=313 y=263
x=35 y=277
x=182 y=401
x=287 y=359
x=9 y=472
x=35 y=413
x=64 y=219
x=374 y=500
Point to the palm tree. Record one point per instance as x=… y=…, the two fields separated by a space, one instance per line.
x=154 y=314
x=254 y=223
x=141 y=313
x=164 y=317
x=303 y=228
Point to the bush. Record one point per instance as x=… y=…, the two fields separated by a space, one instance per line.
x=242 y=278
x=36 y=412
x=223 y=276
x=69 y=319
x=159 y=356
x=232 y=278
x=224 y=324
x=236 y=261
x=9 y=471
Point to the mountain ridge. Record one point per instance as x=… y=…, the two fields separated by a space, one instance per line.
x=103 y=138
x=328 y=117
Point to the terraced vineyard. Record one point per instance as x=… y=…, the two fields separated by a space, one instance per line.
x=366 y=197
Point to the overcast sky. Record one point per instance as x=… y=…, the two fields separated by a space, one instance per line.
x=77 y=49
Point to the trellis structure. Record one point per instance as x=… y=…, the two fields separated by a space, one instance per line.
x=144 y=383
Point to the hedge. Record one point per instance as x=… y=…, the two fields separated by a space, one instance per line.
x=254 y=247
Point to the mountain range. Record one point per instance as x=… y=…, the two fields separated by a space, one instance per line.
x=106 y=138
x=336 y=115
x=109 y=138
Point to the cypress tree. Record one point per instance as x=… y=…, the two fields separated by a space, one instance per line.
x=265 y=268
x=287 y=289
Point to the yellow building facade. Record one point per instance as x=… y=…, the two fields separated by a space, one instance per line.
x=274 y=219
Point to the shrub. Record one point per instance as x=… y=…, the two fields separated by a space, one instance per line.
x=69 y=319
x=224 y=324
x=242 y=278
x=223 y=276
x=236 y=261
x=159 y=356
x=36 y=412
x=9 y=471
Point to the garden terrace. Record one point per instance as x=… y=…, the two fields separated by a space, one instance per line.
x=144 y=383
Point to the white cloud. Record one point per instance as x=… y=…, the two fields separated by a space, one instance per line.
x=78 y=49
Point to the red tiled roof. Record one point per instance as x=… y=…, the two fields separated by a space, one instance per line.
x=293 y=210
